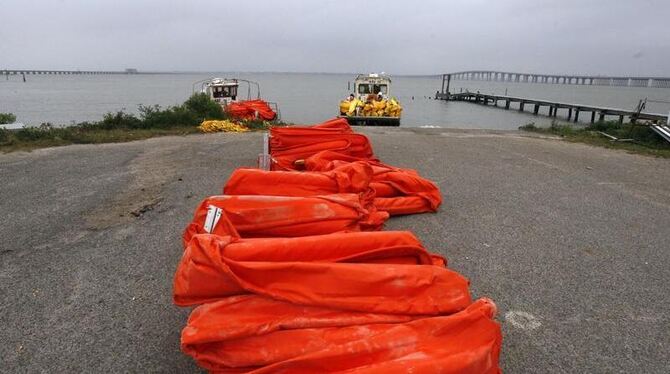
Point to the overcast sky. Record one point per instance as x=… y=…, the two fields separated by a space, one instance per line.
x=399 y=37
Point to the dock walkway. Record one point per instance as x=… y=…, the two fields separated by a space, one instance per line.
x=572 y=110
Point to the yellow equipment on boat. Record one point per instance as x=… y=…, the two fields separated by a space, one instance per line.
x=371 y=103
x=371 y=108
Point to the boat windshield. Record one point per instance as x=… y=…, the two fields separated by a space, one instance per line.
x=365 y=88
x=224 y=91
x=380 y=88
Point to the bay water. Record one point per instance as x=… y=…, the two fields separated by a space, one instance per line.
x=303 y=98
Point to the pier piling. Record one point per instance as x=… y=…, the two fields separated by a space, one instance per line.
x=553 y=107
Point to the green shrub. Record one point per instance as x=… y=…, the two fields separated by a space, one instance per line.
x=6 y=118
x=121 y=126
x=196 y=109
x=155 y=117
x=561 y=129
x=605 y=126
x=31 y=133
x=257 y=124
x=204 y=107
x=638 y=132
x=646 y=135
x=118 y=120
x=5 y=137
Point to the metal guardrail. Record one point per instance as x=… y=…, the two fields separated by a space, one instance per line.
x=662 y=130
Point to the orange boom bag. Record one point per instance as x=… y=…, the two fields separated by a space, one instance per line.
x=208 y=272
x=394 y=247
x=287 y=276
x=288 y=144
x=249 y=109
x=352 y=177
x=397 y=190
x=267 y=216
x=255 y=334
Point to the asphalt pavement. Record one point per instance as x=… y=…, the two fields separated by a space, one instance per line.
x=571 y=241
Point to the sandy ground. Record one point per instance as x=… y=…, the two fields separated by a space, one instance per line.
x=571 y=241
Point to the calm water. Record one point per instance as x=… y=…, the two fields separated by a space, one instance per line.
x=302 y=98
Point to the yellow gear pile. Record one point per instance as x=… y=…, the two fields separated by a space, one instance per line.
x=371 y=108
x=222 y=126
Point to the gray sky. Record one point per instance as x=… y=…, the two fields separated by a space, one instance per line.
x=408 y=37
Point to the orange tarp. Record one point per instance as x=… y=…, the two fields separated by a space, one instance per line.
x=255 y=334
x=288 y=144
x=207 y=273
x=353 y=177
x=397 y=190
x=286 y=279
x=268 y=216
x=396 y=247
x=249 y=108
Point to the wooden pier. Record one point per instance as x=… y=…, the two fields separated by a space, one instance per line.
x=551 y=108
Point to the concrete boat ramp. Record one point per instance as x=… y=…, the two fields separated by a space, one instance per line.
x=570 y=240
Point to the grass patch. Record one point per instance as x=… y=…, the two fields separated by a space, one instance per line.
x=643 y=139
x=56 y=137
x=121 y=126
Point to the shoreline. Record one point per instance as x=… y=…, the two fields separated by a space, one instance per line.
x=105 y=136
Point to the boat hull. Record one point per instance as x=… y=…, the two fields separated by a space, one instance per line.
x=372 y=121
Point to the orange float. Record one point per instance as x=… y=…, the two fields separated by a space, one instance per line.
x=206 y=272
x=251 y=109
x=397 y=190
x=256 y=334
x=352 y=177
x=288 y=144
x=281 y=216
x=287 y=281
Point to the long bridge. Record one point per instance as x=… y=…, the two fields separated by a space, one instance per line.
x=7 y=72
x=590 y=80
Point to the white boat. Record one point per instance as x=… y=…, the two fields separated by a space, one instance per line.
x=226 y=90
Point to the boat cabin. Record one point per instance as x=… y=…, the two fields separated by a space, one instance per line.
x=223 y=91
x=366 y=84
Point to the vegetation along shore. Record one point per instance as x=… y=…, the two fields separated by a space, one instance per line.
x=120 y=126
x=184 y=119
x=635 y=138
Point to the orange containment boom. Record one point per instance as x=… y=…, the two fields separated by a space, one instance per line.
x=206 y=272
x=288 y=144
x=251 y=109
x=281 y=216
x=397 y=191
x=353 y=177
x=288 y=275
x=251 y=333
